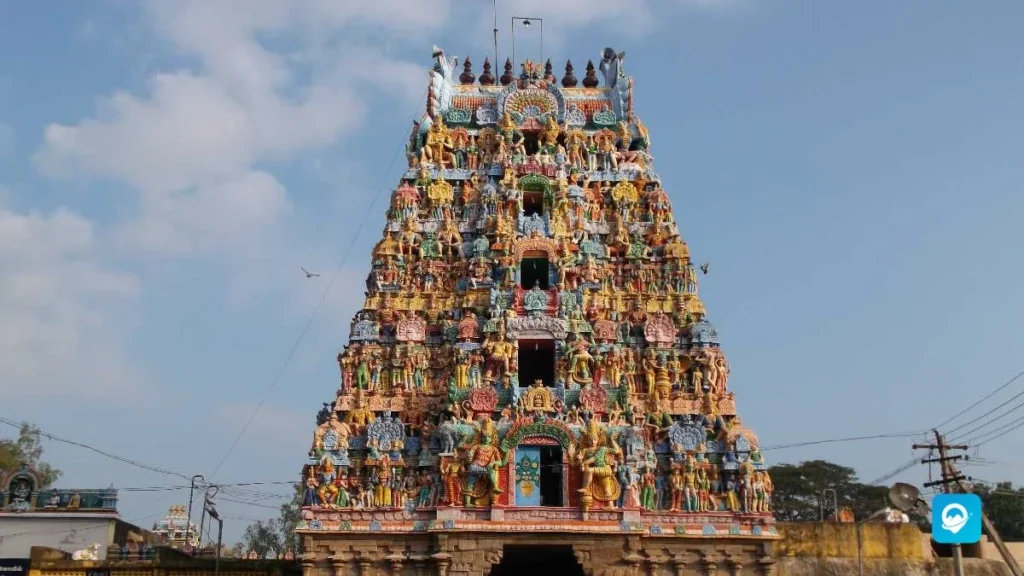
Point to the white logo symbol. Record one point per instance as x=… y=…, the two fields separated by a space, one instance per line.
x=954 y=517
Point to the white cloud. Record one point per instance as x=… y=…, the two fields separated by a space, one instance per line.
x=58 y=304
x=193 y=144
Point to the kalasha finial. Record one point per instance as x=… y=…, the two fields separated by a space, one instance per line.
x=590 y=80
x=508 y=77
x=549 y=74
x=569 y=80
x=467 y=76
x=486 y=78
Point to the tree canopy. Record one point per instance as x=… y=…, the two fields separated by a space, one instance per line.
x=276 y=536
x=798 y=491
x=1004 y=506
x=27 y=449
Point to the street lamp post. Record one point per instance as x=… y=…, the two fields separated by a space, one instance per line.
x=191 y=492
x=526 y=23
x=211 y=509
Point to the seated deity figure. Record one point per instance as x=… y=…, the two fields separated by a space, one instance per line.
x=484 y=458
x=597 y=461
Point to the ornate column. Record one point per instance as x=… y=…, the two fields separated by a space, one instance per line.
x=395 y=562
x=655 y=564
x=767 y=564
x=633 y=560
x=338 y=562
x=678 y=565
x=365 y=565
x=583 y=558
x=710 y=565
x=444 y=562
x=736 y=564
x=420 y=563
x=308 y=565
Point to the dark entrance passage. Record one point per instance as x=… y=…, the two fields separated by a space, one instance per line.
x=536 y=361
x=533 y=271
x=519 y=560
x=550 y=476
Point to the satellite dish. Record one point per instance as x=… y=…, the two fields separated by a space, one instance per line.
x=907 y=498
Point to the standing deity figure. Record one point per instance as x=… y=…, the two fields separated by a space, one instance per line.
x=451 y=472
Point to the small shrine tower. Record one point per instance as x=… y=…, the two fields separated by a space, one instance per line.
x=532 y=379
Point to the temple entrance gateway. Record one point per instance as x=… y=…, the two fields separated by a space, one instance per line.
x=536 y=362
x=517 y=560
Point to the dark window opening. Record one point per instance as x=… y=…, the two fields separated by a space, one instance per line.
x=551 y=476
x=533 y=272
x=536 y=560
x=536 y=362
x=533 y=203
x=531 y=143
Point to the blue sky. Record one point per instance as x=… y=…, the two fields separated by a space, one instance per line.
x=852 y=171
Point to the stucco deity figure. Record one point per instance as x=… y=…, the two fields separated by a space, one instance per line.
x=438 y=145
x=484 y=458
x=597 y=460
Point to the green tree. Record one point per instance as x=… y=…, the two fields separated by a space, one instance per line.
x=264 y=538
x=27 y=450
x=277 y=535
x=1004 y=506
x=798 y=491
x=291 y=515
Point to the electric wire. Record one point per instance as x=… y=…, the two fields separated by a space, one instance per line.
x=986 y=423
x=979 y=442
x=316 y=311
x=836 y=440
x=895 y=472
x=103 y=453
x=991 y=394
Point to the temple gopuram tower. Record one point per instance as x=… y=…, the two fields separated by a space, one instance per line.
x=532 y=383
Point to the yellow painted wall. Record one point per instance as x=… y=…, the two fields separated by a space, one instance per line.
x=831 y=540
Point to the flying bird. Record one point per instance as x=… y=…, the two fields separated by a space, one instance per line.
x=704 y=267
x=308 y=273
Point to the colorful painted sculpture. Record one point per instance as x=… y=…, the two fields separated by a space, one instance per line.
x=532 y=334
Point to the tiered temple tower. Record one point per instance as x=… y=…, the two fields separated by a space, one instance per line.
x=532 y=372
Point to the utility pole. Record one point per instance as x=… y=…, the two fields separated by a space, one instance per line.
x=953 y=482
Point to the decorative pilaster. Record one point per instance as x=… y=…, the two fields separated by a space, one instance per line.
x=365 y=566
x=395 y=562
x=678 y=565
x=443 y=561
x=339 y=563
x=583 y=558
x=419 y=562
x=710 y=565
x=308 y=565
x=736 y=565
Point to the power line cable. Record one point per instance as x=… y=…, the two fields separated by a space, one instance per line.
x=987 y=423
x=898 y=470
x=979 y=402
x=316 y=311
x=977 y=441
x=104 y=453
x=836 y=440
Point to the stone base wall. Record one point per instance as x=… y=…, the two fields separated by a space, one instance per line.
x=474 y=554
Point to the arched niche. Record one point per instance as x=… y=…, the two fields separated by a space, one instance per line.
x=539 y=469
x=537 y=195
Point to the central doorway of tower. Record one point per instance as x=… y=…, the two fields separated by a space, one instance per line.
x=518 y=559
x=538 y=476
x=536 y=362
